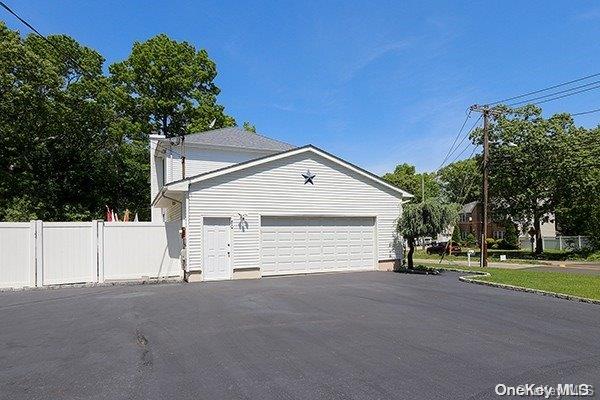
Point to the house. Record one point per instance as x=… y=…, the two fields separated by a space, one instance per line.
x=471 y=221
x=251 y=206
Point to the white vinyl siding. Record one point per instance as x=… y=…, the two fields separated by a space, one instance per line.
x=199 y=161
x=173 y=213
x=277 y=189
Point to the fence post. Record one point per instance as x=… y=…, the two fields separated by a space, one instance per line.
x=39 y=253
x=543 y=244
x=560 y=247
x=32 y=253
x=579 y=241
x=94 y=251
x=100 y=250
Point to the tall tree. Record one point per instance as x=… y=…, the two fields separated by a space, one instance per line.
x=406 y=178
x=525 y=150
x=428 y=218
x=55 y=157
x=461 y=181
x=578 y=176
x=170 y=87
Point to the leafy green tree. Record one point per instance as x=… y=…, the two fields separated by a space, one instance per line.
x=428 y=218
x=170 y=87
x=524 y=153
x=470 y=240
x=456 y=235
x=249 y=127
x=461 y=181
x=578 y=176
x=511 y=236
x=54 y=129
x=406 y=178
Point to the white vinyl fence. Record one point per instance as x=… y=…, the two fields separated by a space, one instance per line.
x=40 y=253
x=557 y=243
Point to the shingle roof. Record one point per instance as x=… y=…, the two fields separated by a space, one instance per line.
x=237 y=137
x=469 y=207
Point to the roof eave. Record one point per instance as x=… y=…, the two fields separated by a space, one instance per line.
x=284 y=154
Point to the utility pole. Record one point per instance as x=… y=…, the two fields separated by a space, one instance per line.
x=182 y=156
x=485 y=163
x=486 y=111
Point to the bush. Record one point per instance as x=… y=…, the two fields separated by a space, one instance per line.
x=504 y=244
x=470 y=240
x=456 y=235
x=511 y=237
x=491 y=243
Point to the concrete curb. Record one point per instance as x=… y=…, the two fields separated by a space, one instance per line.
x=473 y=279
x=89 y=285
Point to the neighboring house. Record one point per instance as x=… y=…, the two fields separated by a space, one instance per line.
x=471 y=221
x=251 y=206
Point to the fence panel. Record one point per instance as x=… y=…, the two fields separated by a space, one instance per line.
x=133 y=250
x=17 y=257
x=566 y=243
x=69 y=253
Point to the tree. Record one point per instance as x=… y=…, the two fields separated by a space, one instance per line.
x=461 y=181
x=406 y=178
x=456 y=238
x=428 y=218
x=169 y=87
x=578 y=175
x=249 y=127
x=511 y=237
x=525 y=150
x=55 y=141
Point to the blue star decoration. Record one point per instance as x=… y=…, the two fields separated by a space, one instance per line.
x=308 y=177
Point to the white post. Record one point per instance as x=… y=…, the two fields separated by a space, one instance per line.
x=100 y=251
x=560 y=247
x=94 y=251
x=39 y=253
x=469 y=259
x=32 y=253
x=579 y=241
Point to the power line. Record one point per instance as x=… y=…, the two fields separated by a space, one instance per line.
x=567 y=95
x=586 y=112
x=455 y=139
x=544 y=89
x=450 y=153
x=27 y=24
x=465 y=137
x=556 y=93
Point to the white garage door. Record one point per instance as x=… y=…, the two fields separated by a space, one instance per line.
x=291 y=245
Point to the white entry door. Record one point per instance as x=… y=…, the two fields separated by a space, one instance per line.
x=217 y=248
x=299 y=245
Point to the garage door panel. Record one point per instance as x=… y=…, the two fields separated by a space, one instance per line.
x=313 y=244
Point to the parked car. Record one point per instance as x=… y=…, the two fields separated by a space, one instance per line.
x=442 y=247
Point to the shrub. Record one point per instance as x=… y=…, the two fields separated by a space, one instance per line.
x=511 y=238
x=470 y=240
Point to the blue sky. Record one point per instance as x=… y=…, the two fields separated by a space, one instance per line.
x=377 y=83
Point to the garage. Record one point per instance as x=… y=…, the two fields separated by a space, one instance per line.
x=296 y=245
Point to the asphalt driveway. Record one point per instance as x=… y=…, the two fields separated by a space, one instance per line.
x=369 y=335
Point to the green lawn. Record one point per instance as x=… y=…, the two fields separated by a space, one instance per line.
x=493 y=255
x=520 y=256
x=587 y=286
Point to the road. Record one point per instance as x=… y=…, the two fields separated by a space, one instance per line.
x=371 y=335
